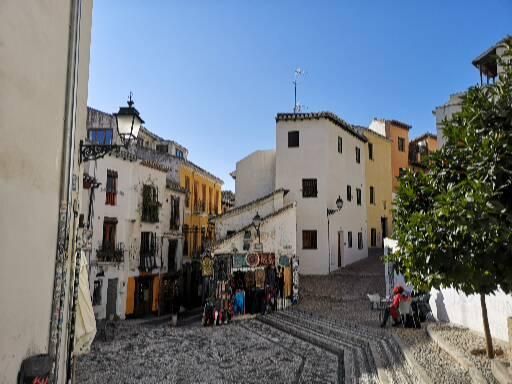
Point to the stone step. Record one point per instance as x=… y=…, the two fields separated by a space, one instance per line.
x=365 y=355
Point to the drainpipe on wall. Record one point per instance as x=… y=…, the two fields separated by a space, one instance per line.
x=60 y=276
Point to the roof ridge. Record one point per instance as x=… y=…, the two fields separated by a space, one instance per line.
x=319 y=115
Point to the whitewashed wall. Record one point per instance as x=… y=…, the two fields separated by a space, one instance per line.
x=34 y=62
x=317 y=157
x=449 y=305
x=457 y=308
x=255 y=176
x=240 y=217
x=277 y=234
x=378 y=126
x=132 y=175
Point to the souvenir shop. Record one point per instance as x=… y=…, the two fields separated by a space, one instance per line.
x=242 y=284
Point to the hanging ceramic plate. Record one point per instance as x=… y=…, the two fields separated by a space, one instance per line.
x=253 y=259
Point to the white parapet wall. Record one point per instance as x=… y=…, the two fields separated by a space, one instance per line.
x=457 y=308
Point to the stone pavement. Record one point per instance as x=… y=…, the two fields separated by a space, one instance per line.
x=332 y=336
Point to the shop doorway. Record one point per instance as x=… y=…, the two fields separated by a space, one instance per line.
x=143 y=295
x=111 y=298
x=340 y=248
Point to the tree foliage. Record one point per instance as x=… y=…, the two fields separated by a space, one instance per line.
x=453 y=224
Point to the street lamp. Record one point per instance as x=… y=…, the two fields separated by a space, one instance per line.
x=256 y=222
x=339 y=205
x=128 y=123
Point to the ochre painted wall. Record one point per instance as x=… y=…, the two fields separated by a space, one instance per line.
x=195 y=215
x=399 y=159
x=379 y=176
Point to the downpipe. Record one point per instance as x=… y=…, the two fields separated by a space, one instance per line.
x=67 y=163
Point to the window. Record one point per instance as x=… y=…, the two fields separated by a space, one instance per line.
x=340 y=145
x=349 y=239
x=372 y=195
x=96 y=296
x=187 y=191
x=358 y=195
x=101 y=136
x=202 y=203
x=349 y=193
x=216 y=204
x=358 y=155
x=210 y=199
x=370 y=151
x=109 y=233
x=309 y=188
x=293 y=139
x=185 y=240
x=230 y=233
x=150 y=203
x=179 y=153
x=171 y=255
x=195 y=193
x=401 y=144
x=359 y=240
x=163 y=148
x=140 y=142
x=308 y=239
x=175 y=213
x=147 y=251
x=373 y=237
x=111 y=191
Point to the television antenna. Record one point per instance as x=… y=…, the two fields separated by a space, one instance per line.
x=299 y=72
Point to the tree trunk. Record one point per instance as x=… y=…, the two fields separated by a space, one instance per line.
x=487 y=331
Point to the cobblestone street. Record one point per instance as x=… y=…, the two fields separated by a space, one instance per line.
x=331 y=337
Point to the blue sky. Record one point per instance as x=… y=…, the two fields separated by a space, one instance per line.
x=212 y=75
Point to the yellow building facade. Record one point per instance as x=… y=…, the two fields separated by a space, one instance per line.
x=379 y=181
x=203 y=199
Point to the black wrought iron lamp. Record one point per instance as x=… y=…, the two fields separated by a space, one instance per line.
x=256 y=222
x=128 y=122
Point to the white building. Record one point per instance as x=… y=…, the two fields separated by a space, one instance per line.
x=318 y=158
x=489 y=69
x=133 y=218
x=255 y=176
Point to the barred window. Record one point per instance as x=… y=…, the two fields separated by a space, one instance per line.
x=401 y=144
x=309 y=239
x=349 y=193
x=309 y=188
x=349 y=239
x=340 y=145
x=358 y=195
x=370 y=151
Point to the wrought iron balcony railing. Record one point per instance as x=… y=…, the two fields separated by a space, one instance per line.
x=110 y=252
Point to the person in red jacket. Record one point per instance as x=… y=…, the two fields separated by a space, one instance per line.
x=393 y=308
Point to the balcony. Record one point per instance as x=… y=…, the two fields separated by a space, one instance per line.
x=150 y=211
x=110 y=253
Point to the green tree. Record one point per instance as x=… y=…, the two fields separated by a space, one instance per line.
x=454 y=224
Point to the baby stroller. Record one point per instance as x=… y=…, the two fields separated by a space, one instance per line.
x=423 y=307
